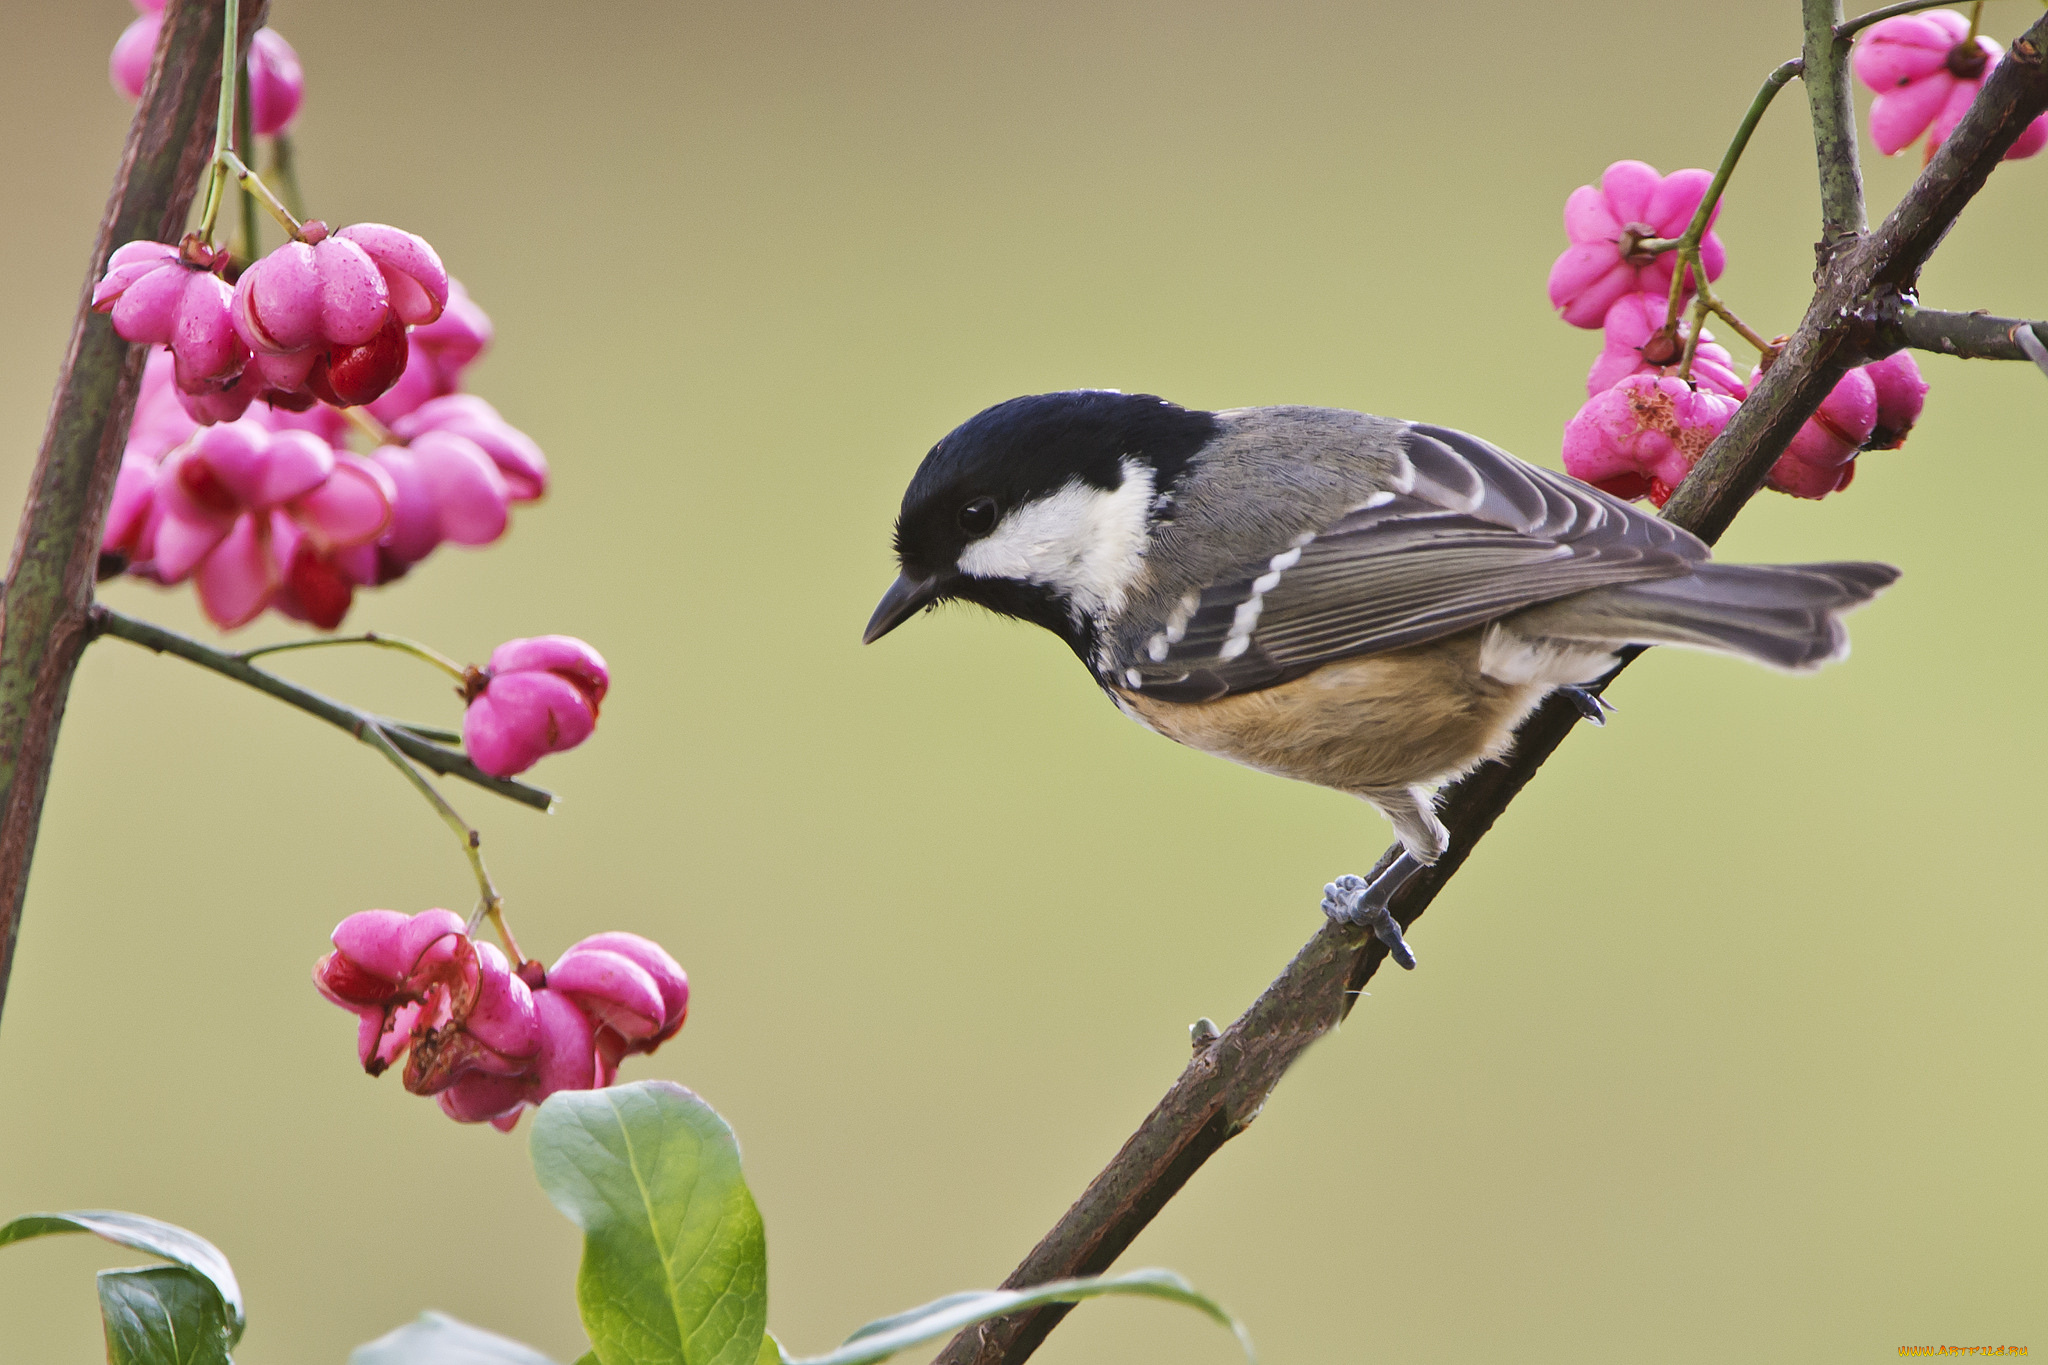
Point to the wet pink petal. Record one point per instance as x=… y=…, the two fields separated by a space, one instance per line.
x=653 y=959
x=1901 y=394
x=1589 y=218
x=129 y=516
x=564 y=655
x=277 y=301
x=520 y=718
x=134 y=50
x=413 y=273
x=1814 y=463
x=129 y=263
x=353 y=298
x=518 y=459
x=1676 y=199
x=277 y=83
x=147 y=309
x=503 y=1019
x=1629 y=187
x=480 y=1098
x=207 y=353
x=612 y=989
x=351 y=507
x=468 y=493
x=237 y=579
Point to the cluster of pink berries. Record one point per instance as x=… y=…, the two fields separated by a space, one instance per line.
x=1925 y=69
x=1649 y=415
x=269 y=509
x=488 y=1038
x=277 y=85
x=1644 y=425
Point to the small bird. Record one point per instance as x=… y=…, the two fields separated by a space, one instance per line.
x=1367 y=604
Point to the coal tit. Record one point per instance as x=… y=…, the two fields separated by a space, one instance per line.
x=1367 y=604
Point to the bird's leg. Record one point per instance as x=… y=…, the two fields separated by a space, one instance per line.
x=1353 y=900
x=1591 y=705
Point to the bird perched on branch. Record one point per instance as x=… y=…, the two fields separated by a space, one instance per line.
x=1366 y=604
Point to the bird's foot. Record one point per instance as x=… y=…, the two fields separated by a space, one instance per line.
x=1591 y=705
x=1353 y=900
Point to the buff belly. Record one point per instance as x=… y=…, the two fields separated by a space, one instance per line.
x=1371 y=725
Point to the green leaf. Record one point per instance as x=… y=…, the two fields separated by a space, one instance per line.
x=163 y=1315
x=437 y=1339
x=167 y=1240
x=771 y=1350
x=675 y=1264
x=941 y=1317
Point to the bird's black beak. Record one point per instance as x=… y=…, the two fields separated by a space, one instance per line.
x=905 y=597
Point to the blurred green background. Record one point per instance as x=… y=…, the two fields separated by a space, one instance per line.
x=1729 y=1042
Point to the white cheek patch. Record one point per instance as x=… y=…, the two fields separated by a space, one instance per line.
x=1087 y=544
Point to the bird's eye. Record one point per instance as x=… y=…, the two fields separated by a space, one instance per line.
x=978 y=518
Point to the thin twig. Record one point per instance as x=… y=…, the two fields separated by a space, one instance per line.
x=106 y=621
x=1229 y=1079
x=369 y=637
x=489 y=902
x=1850 y=28
x=1974 y=336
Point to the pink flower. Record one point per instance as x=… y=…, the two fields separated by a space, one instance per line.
x=609 y=996
x=328 y=313
x=636 y=994
x=518 y=459
x=1633 y=200
x=1641 y=437
x=131 y=521
x=440 y=351
x=156 y=295
x=250 y=512
x=277 y=83
x=1901 y=393
x=536 y=697
x=1629 y=326
x=1926 y=72
x=384 y=967
x=1821 y=458
x=128 y=64
x=447 y=489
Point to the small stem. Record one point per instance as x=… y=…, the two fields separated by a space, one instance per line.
x=1742 y=329
x=103 y=620
x=224 y=124
x=1976 y=18
x=250 y=182
x=1850 y=28
x=361 y=419
x=1692 y=339
x=433 y=733
x=249 y=248
x=1833 y=114
x=1688 y=242
x=399 y=643
x=491 y=903
x=286 y=173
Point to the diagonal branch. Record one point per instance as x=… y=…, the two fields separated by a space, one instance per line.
x=1231 y=1075
x=49 y=583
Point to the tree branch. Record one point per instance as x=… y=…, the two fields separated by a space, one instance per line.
x=1227 y=1082
x=101 y=620
x=1826 y=56
x=1973 y=336
x=49 y=583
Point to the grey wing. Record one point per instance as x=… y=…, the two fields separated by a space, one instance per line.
x=1474 y=534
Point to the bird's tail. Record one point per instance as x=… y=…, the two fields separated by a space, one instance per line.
x=1784 y=615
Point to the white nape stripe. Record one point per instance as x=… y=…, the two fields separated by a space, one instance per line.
x=1086 y=543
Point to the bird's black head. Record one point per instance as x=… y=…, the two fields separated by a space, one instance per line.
x=1040 y=507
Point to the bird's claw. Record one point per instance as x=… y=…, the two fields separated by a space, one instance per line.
x=1591 y=705
x=1353 y=900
